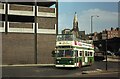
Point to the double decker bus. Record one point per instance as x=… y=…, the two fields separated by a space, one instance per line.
x=73 y=52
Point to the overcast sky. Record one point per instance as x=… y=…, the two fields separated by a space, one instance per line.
x=107 y=12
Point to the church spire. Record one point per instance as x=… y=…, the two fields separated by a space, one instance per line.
x=75 y=29
x=75 y=22
x=75 y=18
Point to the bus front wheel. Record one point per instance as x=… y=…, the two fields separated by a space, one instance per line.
x=90 y=63
x=80 y=64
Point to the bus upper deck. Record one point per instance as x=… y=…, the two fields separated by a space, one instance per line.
x=71 y=37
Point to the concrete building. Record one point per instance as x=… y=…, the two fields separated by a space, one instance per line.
x=28 y=32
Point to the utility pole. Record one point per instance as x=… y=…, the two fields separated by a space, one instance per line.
x=91 y=18
x=6 y=17
x=91 y=24
x=35 y=33
x=106 y=54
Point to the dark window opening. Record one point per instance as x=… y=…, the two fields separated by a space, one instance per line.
x=18 y=18
x=80 y=53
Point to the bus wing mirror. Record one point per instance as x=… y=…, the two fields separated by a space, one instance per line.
x=53 y=53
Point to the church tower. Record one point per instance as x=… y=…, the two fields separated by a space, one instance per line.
x=75 y=29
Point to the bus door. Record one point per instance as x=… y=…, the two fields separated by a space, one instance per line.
x=83 y=57
x=86 y=57
x=76 y=58
x=80 y=58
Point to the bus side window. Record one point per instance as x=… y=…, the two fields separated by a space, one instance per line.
x=85 y=53
x=90 y=53
x=76 y=53
x=80 y=53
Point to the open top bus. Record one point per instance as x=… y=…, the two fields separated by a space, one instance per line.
x=73 y=52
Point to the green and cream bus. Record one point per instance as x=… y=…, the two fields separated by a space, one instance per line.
x=73 y=52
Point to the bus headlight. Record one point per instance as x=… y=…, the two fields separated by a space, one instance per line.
x=57 y=61
x=70 y=61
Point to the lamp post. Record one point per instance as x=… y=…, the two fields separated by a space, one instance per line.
x=100 y=45
x=91 y=18
x=106 y=52
x=35 y=34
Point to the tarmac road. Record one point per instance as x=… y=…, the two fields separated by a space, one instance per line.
x=96 y=70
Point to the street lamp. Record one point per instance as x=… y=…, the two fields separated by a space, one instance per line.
x=100 y=45
x=35 y=34
x=106 y=53
x=92 y=22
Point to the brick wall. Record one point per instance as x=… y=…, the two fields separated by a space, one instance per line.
x=46 y=44
x=21 y=7
x=20 y=25
x=17 y=48
x=46 y=9
x=46 y=23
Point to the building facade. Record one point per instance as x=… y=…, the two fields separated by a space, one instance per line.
x=105 y=34
x=109 y=34
x=82 y=35
x=113 y=33
x=28 y=32
x=66 y=31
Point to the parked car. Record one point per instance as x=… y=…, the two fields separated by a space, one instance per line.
x=110 y=53
x=117 y=53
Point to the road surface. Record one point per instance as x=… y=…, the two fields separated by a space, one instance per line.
x=96 y=70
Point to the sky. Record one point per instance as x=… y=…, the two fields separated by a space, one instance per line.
x=107 y=12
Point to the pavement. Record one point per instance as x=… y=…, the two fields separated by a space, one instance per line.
x=99 y=74
x=110 y=59
x=26 y=65
x=98 y=71
x=52 y=65
x=113 y=59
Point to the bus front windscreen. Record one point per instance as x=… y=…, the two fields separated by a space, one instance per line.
x=65 y=53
